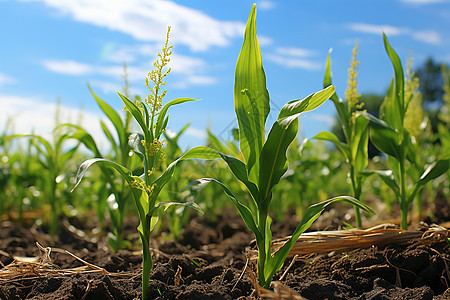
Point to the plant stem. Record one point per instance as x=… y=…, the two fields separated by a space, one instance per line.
x=403 y=199
x=356 y=193
x=263 y=248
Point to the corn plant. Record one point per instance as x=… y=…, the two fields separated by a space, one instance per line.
x=390 y=136
x=355 y=128
x=265 y=159
x=54 y=158
x=116 y=195
x=152 y=119
x=311 y=167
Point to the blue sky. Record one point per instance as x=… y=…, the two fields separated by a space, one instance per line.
x=51 y=49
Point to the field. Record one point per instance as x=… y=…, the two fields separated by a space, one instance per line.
x=263 y=216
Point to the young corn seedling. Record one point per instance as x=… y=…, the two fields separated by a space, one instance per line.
x=265 y=159
x=390 y=135
x=53 y=158
x=115 y=197
x=355 y=128
x=152 y=119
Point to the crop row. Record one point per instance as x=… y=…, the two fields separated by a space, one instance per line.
x=265 y=174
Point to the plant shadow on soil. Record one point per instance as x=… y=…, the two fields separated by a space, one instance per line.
x=208 y=261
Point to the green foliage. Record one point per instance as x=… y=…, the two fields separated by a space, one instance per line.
x=355 y=129
x=53 y=157
x=265 y=160
x=391 y=137
x=152 y=119
x=114 y=197
x=275 y=173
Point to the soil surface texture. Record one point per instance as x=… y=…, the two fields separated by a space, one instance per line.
x=210 y=261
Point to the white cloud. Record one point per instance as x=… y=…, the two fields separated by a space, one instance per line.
x=425 y=36
x=196 y=133
x=67 y=67
x=293 y=51
x=295 y=63
x=190 y=69
x=429 y=37
x=120 y=54
x=327 y=120
x=293 y=57
x=378 y=29
x=266 y=5
x=5 y=79
x=264 y=40
x=148 y=20
x=32 y=115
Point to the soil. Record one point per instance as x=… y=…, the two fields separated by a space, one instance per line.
x=209 y=262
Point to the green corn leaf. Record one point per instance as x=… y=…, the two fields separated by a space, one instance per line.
x=273 y=161
x=48 y=148
x=162 y=120
x=398 y=106
x=200 y=152
x=84 y=137
x=244 y=211
x=360 y=143
x=135 y=142
x=435 y=170
x=65 y=156
x=110 y=138
x=384 y=137
x=340 y=105
x=327 y=79
x=239 y=169
x=331 y=137
x=251 y=98
x=311 y=214
x=137 y=115
x=293 y=108
x=388 y=178
x=113 y=116
x=215 y=143
x=389 y=110
x=174 y=139
x=166 y=205
x=124 y=172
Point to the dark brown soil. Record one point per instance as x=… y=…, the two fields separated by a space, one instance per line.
x=208 y=261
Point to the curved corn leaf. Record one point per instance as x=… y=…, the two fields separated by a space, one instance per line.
x=113 y=116
x=125 y=173
x=239 y=169
x=384 y=137
x=200 y=152
x=161 y=122
x=338 y=103
x=244 y=211
x=166 y=205
x=397 y=108
x=110 y=138
x=135 y=142
x=64 y=157
x=359 y=145
x=311 y=214
x=137 y=115
x=293 y=108
x=388 y=178
x=273 y=161
x=433 y=171
x=251 y=98
x=331 y=137
x=84 y=137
